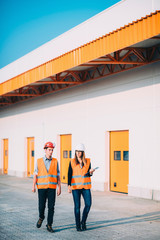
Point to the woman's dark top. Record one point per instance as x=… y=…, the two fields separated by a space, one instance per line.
x=70 y=173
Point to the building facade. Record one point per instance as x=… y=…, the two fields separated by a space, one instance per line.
x=109 y=99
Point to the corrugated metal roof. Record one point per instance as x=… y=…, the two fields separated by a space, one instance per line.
x=133 y=33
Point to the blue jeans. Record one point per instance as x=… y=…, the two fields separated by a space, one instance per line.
x=86 y=193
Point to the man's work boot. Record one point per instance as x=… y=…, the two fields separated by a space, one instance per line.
x=39 y=223
x=49 y=228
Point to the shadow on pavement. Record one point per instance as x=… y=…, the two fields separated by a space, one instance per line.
x=148 y=217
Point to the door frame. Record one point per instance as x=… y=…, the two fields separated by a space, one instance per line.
x=4 y=155
x=107 y=158
x=60 y=150
x=121 y=130
x=27 y=155
x=1 y=161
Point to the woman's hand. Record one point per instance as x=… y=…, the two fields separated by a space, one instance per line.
x=69 y=189
x=91 y=171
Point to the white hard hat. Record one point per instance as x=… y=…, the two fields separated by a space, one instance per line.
x=80 y=147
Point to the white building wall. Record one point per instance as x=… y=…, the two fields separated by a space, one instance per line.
x=125 y=101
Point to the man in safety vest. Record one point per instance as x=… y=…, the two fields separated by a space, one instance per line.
x=46 y=177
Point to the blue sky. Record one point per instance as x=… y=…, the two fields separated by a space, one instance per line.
x=27 y=24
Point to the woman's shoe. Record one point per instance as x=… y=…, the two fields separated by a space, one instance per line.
x=83 y=226
x=78 y=228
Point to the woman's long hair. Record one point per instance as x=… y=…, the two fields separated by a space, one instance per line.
x=82 y=157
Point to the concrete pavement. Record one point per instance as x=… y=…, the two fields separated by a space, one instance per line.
x=113 y=216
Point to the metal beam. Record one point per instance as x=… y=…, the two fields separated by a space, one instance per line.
x=20 y=94
x=113 y=62
x=55 y=82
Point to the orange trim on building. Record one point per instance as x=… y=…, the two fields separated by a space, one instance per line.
x=137 y=31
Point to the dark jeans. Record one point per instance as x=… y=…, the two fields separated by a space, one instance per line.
x=86 y=193
x=43 y=195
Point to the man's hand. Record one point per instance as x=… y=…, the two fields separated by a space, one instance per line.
x=69 y=189
x=33 y=189
x=59 y=186
x=58 y=191
x=34 y=183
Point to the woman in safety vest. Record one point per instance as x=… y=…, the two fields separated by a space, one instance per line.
x=79 y=183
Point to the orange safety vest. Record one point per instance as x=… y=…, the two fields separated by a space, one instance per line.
x=47 y=179
x=79 y=180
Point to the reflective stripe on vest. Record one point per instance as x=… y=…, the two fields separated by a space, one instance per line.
x=47 y=179
x=79 y=180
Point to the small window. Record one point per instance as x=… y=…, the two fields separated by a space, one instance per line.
x=32 y=153
x=126 y=155
x=6 y=152
x=65 y=154
x=117 y=155
x=70 y=154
